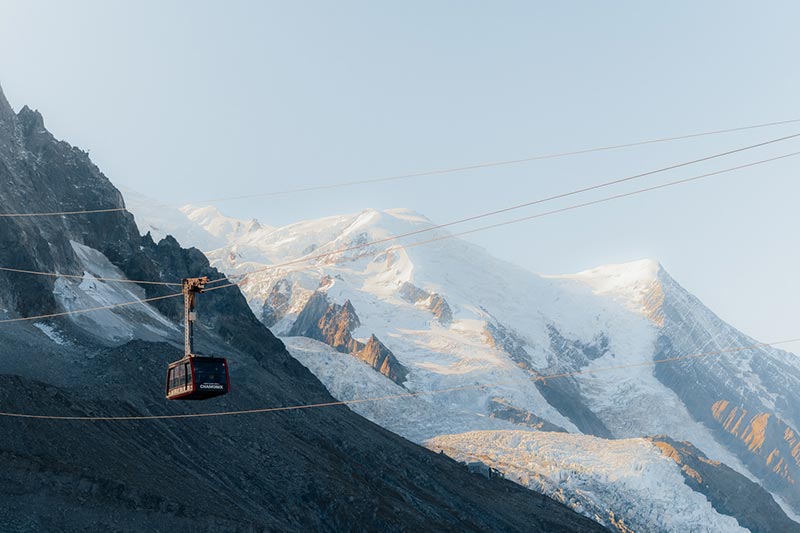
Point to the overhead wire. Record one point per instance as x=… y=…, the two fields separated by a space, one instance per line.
x=77 y=276
x=63 y=213
x=600 y=201
x=529 y=204
x=517 y=220
x=89 y=309
x=451 y=223
x=452 y=389
x=419 y=243
x=357 y=401
x=434 y=172
x=477 y=166
x=504 y=223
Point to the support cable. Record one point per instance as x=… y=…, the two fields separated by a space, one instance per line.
x=357 y=401
x=421 y=173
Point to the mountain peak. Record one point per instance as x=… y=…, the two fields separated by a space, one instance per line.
x=642 y=270
x=405 y=213
x=31 y=119
x=6 y=112
x=3 y=101
x=634 y=283
x=620 y=275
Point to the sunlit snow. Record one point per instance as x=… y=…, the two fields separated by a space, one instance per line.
x=593 y=476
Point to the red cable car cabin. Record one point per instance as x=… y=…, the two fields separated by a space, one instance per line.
x=197 y=378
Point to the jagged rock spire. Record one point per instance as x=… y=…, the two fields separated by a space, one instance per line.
x=6 y=112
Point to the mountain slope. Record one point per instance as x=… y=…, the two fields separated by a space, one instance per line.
x=315 y=469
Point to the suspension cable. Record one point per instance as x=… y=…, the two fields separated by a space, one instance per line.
x=90 y=309
x=419 y=243
x=422 y=173
x=483 y=228
x=477 y=166
x=451 y=223
x=594 y=202
x=75 y=276
x=357 y=401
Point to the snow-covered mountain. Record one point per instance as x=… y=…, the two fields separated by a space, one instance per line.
x=379 y=320
x=203 y=227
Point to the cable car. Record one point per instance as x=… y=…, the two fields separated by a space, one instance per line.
x=196 y=376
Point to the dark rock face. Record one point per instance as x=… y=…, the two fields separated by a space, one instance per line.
x=563 y=393
x=332 y=324
x=764 y=436
x=500 y=408
x=578 y=354
x=381 y=358
x=433 y=301
x=441 y=309
x=336 y=324
x=300 y=470
x=277 y=303
x=728 y=491
x=307 y=322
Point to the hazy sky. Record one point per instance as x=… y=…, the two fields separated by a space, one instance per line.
x=190 y=100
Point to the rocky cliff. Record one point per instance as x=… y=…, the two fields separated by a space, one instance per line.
x=333 y=324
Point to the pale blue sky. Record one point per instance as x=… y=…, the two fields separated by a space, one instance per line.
x=189 y=100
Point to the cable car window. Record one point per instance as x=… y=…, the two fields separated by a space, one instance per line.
x=210 y=371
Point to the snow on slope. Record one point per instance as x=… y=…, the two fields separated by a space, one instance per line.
x=593 y=476
x=119 y=324
x=224 y=229
x=629 y=283
x=481 y=290
x=416 y=418
x=161 y=220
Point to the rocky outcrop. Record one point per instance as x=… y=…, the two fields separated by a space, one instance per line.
x=575 y=353
x=433 y=301
x=307 y=322
x=772 y=445
x=502 y=338
x=277 y=302
x=500 y=408
x=336 y=325
x=333 y=324
x=728 y=491
x=562 y=393
x=379 y=357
